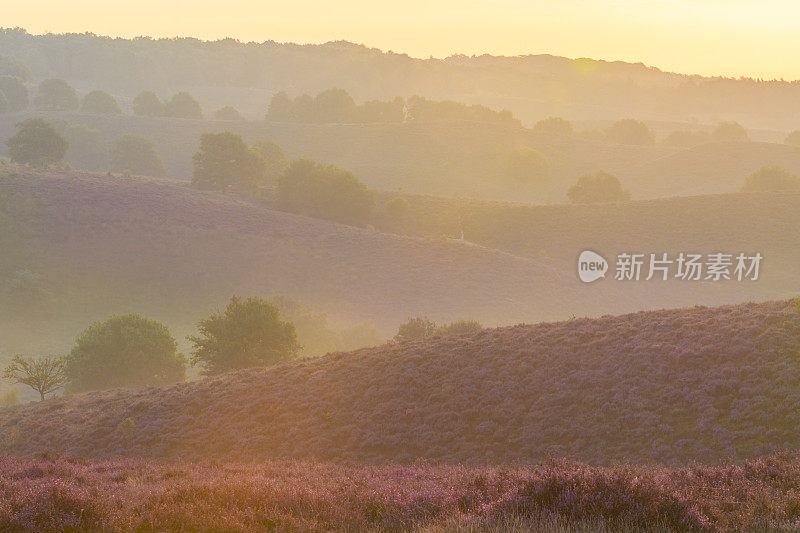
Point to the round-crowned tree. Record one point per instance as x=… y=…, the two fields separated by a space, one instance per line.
x=56 y=95
x=15 y=92
x=324 y=191
x=183 y=105
x=136 y=154
x=37 y=143
x=553 y=127
x=224 y=162
x=228 y=113
x=729 y=131
x=771 y=179
x=599 y=188
x=147 y=104
x=100 y=102
x=630 y=131
x=124 y=351
x=274 y=159
x=247 y=334
x=11 y=66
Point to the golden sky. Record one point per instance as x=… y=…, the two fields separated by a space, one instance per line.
x=759 y=38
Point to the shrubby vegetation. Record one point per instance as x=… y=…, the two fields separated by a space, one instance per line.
x=729 y=131
x=249 y=333
x=224 y=162
x=124 y=351
x=337 y=106
x=56 y=95
x=598 y=188
x=324 y=191
x=771 y=179
x=36 y=142
x=136 y=154
x=629 y=131
x=100 y=102
x=421 y=328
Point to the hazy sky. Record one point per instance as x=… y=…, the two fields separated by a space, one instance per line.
x=759 y=38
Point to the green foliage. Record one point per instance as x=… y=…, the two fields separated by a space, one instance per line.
x=100 y=102
x=224 y=162
x=44 y=375
x=274 y=158
x=280 y=108
x=183 y=105
x=136 y=154
x=11 y=66
x=56 y=95
x=247 y=334
x=147 y=104
x=630 y=131
x=36 y=143
x=124 y=351
x=227 y=113
x=729 y=131
x=87 y=146
x=15 y=92
x=771 y=179
x=421 y=328
x=554 y=127
x=599 y=188
x=334 y=106
x=324 y=191
x=527 y=165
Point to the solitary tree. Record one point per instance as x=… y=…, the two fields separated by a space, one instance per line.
x=224 y=162
x=771 y=179
x=324 y=191
x=36 y=143
x=600 y=188
x=415 y=328
x=15 y=91
x=57 y=95
x=248 y=333
x=44 y=375
x=124 y=351
x=100 y=102
x=183 y=105
x=136 y=154
x=147 y=104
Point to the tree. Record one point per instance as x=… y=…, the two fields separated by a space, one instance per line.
x=225 y=162
x=44 y=375
x=274 y=159
x=11 y=66
x=247 y=334
x=280 y=108
x=553 y=127
x=600 y=188
x=415 y=328
x=183 y=105
x=729 y=131
x=15 y=91
x=629 y=131
x=56 y=95
x=771 y=179
x=334 y=105
x=124 y=351
x=228 y=113
x=793 y=138
x=136 y=154
x=527 y=165
x=147 y=104
x=324 y=191
x=87 y=146
x=100 y=102
x=36 y=143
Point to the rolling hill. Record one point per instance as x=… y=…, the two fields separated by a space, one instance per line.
x=670 y=386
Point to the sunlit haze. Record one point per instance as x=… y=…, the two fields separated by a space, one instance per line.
x=711 y=37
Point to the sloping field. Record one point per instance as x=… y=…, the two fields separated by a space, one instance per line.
x=668 y=386
x=102 y=244
x=74 y=495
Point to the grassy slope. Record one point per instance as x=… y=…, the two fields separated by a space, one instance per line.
x=667 y=386
x=461 y=159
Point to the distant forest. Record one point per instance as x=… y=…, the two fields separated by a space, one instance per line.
x=531 y=86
